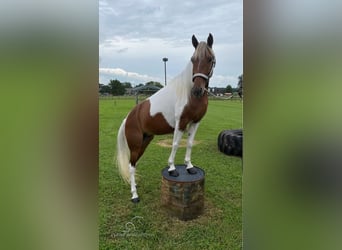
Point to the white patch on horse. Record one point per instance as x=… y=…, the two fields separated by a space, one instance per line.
x=170 y=100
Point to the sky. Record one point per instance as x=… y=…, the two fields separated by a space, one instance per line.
x=134 y=36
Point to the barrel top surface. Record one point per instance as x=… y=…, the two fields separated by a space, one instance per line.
x=184 y=176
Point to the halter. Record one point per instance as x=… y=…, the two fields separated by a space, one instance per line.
x=200 y=91
x=206 y=77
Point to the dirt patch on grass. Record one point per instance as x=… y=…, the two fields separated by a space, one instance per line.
x=167 y=143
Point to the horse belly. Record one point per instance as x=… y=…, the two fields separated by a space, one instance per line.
x=158 y=125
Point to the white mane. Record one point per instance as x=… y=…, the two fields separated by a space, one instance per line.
x=171 y=99
x=183 y=83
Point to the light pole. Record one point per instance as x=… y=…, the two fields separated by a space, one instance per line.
x=165 y=60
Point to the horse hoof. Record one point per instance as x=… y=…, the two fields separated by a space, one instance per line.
x=191 y=170
x=174 y=173
x=136 y=200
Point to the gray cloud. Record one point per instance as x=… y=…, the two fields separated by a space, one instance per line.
x=136 y=35
x=122 y=50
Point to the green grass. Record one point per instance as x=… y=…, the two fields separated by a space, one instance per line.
x=220 y=226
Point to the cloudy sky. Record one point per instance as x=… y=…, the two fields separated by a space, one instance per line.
x=136 y=35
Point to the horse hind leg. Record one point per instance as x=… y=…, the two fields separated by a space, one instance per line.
x=134 y=143
x=146 y=141
x=135 y=197
x=136 y=152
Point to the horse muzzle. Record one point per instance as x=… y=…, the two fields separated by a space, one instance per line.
x=197 y=91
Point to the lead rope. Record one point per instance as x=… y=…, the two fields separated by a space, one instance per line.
x=218 y=97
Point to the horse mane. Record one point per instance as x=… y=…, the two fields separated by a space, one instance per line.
x=182 y=83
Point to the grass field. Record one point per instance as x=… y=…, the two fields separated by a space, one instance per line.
x=124 y=225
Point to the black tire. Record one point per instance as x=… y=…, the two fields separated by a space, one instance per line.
x=230 y=142
x=223 y=134
x=220 y=141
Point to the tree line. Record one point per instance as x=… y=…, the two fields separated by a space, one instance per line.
x=115 y=87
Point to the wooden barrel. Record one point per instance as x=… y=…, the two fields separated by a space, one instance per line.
x=183 y=196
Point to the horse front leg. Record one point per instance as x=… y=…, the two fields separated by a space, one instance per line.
x=177 y=136
x=191 y=132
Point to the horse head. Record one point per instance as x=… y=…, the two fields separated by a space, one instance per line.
x=203 y=61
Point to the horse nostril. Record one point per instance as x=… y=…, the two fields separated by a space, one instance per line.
x=197 y=91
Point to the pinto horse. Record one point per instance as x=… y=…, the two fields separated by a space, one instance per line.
x=176 y=108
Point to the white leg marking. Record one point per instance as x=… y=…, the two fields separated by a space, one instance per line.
x=192 y=131
x=133 y=184
x=177 y=136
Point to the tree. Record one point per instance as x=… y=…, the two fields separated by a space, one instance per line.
x=104 y=89
x=229 y=89
x=117 y=88
x=157 y=84
x=127 y=85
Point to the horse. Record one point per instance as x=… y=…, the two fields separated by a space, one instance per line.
x=176 y=108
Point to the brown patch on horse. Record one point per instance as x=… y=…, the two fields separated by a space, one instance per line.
x=141 y=127
x=156 y=125
x=140 y=119
x=194 y=110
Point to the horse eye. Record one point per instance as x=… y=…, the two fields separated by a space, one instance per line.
x=210 y=59
x=192 y=59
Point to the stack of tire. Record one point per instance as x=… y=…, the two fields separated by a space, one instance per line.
x=229 y=142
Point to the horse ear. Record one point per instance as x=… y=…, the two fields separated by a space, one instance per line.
x=194 y=41
x=210 y=40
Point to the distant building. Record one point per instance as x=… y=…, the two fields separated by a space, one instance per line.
x=129 y=91
x=217 y=91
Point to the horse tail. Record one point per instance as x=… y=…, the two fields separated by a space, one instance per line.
x=123 y=153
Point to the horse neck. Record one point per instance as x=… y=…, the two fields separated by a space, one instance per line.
x=183 y=82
